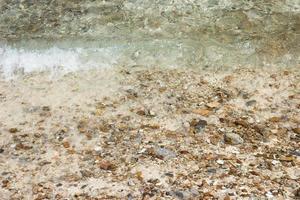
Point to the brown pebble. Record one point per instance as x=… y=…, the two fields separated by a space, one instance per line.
x=296 y=130
x=214 y=104
x=5 y=183
x=21 y=146
x=66 y=145
x=46 y=108
x=241 y=122
x=150 y=126
x=13 y=130
x=202 y=112
x=106 y=165
x=227 y=197
x=141 y=112
x=104 y=128
x=297 y=193
x=274 y=119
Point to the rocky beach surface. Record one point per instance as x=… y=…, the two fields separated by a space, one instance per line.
x=151 y=133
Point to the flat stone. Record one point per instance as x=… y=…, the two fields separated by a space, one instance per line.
x=233 y=138
x=162 y=153
x=251 y=103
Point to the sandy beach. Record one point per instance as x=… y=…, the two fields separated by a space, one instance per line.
x=151 y=133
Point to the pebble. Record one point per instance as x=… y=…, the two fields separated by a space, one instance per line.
x=13 y=130
x=295 y=152
x=179 y=194
x=275 y=119
x=211 y=170
x=66 y=144
x=296 y=130
x=202 y=112
x=220 y=162
x=251 y=103
x=269 y=194
x=164 y=153
x=106 y=165
x=198 y=125
x=233 y=138
x=297 y=193
x=214 y=104
x=275 y=162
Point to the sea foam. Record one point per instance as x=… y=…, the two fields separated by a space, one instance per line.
x=16 y=61
x=66 y=57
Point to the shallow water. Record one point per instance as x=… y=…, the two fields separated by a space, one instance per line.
x=68 y=35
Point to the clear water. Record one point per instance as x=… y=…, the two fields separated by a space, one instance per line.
x=65 y=35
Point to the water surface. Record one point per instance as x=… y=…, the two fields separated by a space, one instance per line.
x=71 y=35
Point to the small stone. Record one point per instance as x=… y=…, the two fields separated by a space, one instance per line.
x=43 y=163
x=86 y=173
x=269 y=194
x=162 y=153
x=46 y=108
x=130 y=183
x=5 y=183
x=295 y=152
x=293 y=173
x=202 y=112
x=287 y=158
x=214 y=104
x=242 y=122
x=211 y=170
x=106 y=165
x=275 y=119
x=169 y=174
x=141 y=112
x=259 y=128
x=251 y=103
x=59 y=185
x=232 y=138
x=297 y=193
x=98 y=149
x=150 y=126
x=104 y=128
x=21 y=146
x=220 y=162
x=1 y=150
x=130 y=197
x=227 y=197
x=296 y=130
x=198 y=125
x=66 y=145
x=275 y=162
x=179 y=194
x=13 y=130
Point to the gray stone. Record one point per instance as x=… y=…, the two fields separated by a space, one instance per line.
x=233 y=138
x=164 y=153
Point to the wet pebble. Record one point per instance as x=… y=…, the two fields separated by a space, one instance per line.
x=13 y=130
x=233 y=138
x=162 y=153
x=178 y=194
x=198 y=125
x=251 y=103
x=106 y=165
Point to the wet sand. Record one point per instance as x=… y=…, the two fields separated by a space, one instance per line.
x=138 y=133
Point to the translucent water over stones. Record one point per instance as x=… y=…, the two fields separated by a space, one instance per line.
x=198 y=33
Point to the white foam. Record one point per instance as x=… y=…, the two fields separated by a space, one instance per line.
x=14 y=61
